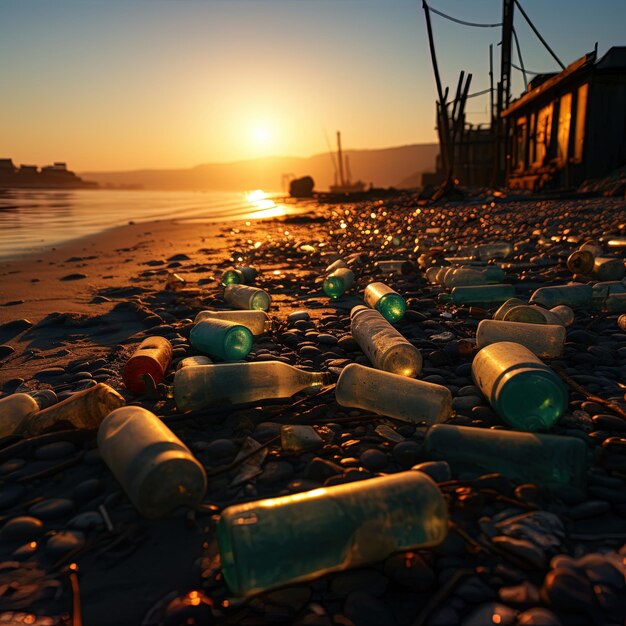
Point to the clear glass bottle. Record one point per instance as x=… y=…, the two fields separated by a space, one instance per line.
x=338 y=282
x=535 y=314
x=239 y=276
x=153 y=466
x=575 y=296
x=395 y=266
x=564 y=314
x=238 y=383
x=507 y=306
x=495 y=250
x=226 y=340
x=257 y=322
x=543 y=340
x=335 y=265
x=522 y=390
x=478 y=294
x=246 y=297
x=386 y=301
x=580 y=262
x=396 y=396
x=299 y=537
x=550 y=460
x=592 y=246
x=473 y=276
x=83 y=410
x=383 y=345
x=153 y=357
x=431 y=274
x=609 y=268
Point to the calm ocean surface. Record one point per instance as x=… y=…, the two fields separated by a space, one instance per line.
x=33 y=220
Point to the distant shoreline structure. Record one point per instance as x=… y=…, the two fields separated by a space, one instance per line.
x=55 y=176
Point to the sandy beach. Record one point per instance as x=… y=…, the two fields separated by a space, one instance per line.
x=515 y=549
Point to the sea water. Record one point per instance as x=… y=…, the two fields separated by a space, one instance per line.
x=35 y=220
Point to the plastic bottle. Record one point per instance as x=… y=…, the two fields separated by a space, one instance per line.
x=522 y=390
x=534 y=314
x=544 y=340
x=431 y=274
x=383 y=345
x=153 y=356
x=505 y=307
x=245 y=297
x=190 y=361
x=580 y=262
x=396 y=396
x=257 y=322
x=335 y=265
x=472 y=276
x=226 y=340
x=608 y=268
x=564 y=313
x=84 y=410
x=592 y=246
x=239 y=276
x=478 y=294
x=495 y=250
x=153 y=466
x=237 y=383
x=299 y=537
x=575 y=296
x=395 y=266
x=386 y=301
x=338 y=282
x=550 y=460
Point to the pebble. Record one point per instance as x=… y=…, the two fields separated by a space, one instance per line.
x=410 y=570
x=75 y=276
x=87 y=490
x=568 y=590
x=6 y=350
x=89 y=520
x=525 y=594
x=266 y=431
x=591 y=508
x=538 y=616
x=56 y=450
x=10 y=494
x=374 y=460
x=529 y=552
x=439 y=471
x=465 y=403
x=320 y=469
x=366 y=610
x=23 y=528
x=407 y=453
x=12 y=465
x=221 y=450
x=52 y=508
x=49 y=372
x=275 y=472
x=64 y=541
x=296 y=316
x=491 y=613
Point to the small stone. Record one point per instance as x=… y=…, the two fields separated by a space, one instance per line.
x=10 y=494
x=464 y=404
x=439 y=471
x=407 y=453
x=523 y=549
x=15 y=326
x=296 y=316
x=320 y=469
x=52 y=508
x=366 y=610
x=12 y=465
x=374 y=460
x=56 y=450
x=567 y=590
x=491 y=613
x=524 y=593
x=76 y=276
x=49 y=372
x=89 y=520
x=275 y=472
x=538 y=616
x=88 y=489
x=299 y=438
x=22 y=528
x=410 y=570
x=266 y=431
x=591 y=508
x=6 y=350
x=474 y=590
x=64 y=541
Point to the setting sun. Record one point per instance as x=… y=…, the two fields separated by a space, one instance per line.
x=261 y=134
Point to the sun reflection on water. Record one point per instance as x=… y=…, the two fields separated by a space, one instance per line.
x=263 y=206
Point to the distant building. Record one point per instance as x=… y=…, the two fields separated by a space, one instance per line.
x=51 y=176
x=571 y=126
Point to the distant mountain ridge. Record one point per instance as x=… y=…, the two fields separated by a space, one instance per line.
x=386 y=167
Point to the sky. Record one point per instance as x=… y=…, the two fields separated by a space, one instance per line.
x=119 y=84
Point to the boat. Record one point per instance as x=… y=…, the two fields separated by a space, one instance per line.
x=343 y=183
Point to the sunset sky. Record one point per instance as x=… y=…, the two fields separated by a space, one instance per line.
x=119 y=84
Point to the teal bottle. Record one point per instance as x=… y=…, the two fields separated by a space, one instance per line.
x=523 y=391
x=478 y=294
x=226 y=340
x=338 y=282
x=386 y=301
x=575 y=296
x=550 y=460
x=295 y=538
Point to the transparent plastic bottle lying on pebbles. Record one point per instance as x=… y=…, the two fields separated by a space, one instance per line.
x=383 y=345
x=295 y=538
x=338 y=282
x=257 y=322
x=543 y=340
x=478 y=294
x=522 y=390
x=576 y=296
x=246 y=297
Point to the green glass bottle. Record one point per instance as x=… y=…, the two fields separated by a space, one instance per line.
x=478 y=294
x=295 y=538
x=239 y=276
x=386 y=301
x=575 y=296
x=338 y=282
x=239 y=383
x=549 y=460
x=226 y=340
x=245 y=297
x=523 y=391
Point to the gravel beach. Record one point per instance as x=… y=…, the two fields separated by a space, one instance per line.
x=517 y=552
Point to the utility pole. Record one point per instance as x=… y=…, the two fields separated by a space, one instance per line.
x=504 y=91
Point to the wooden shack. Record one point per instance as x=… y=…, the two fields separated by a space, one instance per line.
x=569 y=127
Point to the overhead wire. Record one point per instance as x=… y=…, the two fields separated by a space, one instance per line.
x=519 y=56
x=463 y=22
x=534 y=29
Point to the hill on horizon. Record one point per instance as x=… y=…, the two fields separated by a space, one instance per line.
x=386 y=167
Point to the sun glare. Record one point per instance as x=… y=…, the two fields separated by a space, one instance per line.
x=261 y=134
